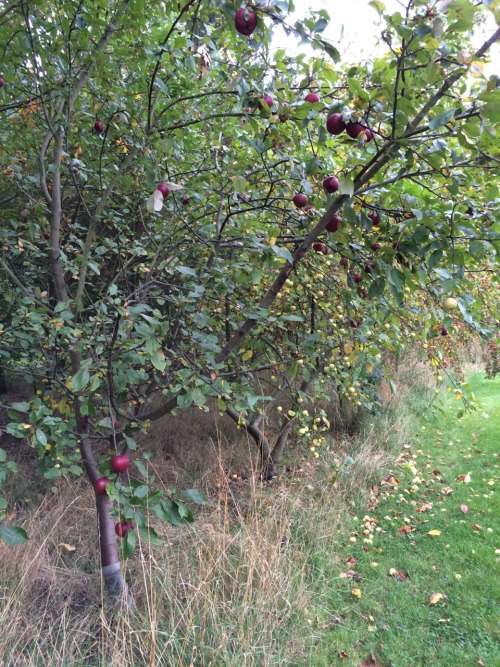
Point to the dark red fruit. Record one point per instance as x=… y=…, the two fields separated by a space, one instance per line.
x=354 y=129
x=185 y=200
x=121 y=529
x=120 y=463
x=375 y=218
x=358 y=278
x=312 y=97
x=300 y=200
x=283 y=117
x=245 y=21
x=354 y=322
x=320 y=248
x=310 y=209
x=335 y=124
x=469 y=211
x=46 y=236
x=2 y=82
x=268 y=100
x=100 y=485
x=376 y=245
x=396 y=245
x=443 y=331
x=363 y=293
x=164 y=189
x=344 y=261
x=99 y=126
x=368 y=135
x=371 y=266
x=331 y=184
x=333 y=224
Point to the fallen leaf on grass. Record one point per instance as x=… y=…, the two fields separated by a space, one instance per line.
x=480 y=662
x=476 y=526
x=464 y=478
x=426 y=506
x=446 y=490
x=372 y=661
x=436 y=597
x=351 y=561
x=68 y=547
x=351 y=574
x=343 y=655
x=464 y=508
x=434 y=533
x=404 y=530
x=357 y=592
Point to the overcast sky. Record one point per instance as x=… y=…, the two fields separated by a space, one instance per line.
x=354 y=29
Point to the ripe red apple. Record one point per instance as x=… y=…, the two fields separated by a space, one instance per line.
x=333 y=224
x=312 y=97
x=469 y=211
x=268 y=100
x=120 y=463
x=300 y=200
x=375 y=218
x=354 y=322
x=283 y=117
x=371 y=266
x=163 y=188
x=320 y=248
x=99 y=126
x=46 y=236
x=358 y=278
x=335 y=124
x=245 y=21
x=185 y=200
x=121 y=529
x=100 y=485
x=363 y=293
x=2 y=82
x=443 y=331
x=310 y=209
x=368 y=135
x=376 y=245
x=354 y=130
x=331 y=184
x=344 y=261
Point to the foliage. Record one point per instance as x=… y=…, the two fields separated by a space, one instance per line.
x=122 y=305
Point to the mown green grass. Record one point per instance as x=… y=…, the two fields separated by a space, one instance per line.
x=393 y=618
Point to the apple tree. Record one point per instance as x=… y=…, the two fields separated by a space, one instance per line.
x=191 y=217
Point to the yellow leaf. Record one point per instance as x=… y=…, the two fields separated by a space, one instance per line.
x=348 y=348
x=68 y=547
x=272 y=240
x=435 y=597
x=357 y=592
x=434 y=533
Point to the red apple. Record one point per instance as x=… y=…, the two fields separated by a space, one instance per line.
x=46 y=236
x=363 y=293
x=354 y=130
x=185 y=200
x=300 y=200
x=371 y=266
x=2 y=82
x=245 y=21
x=310 y=209
x=99 y=126
x=368 y=135
x=375 y=218
x=121 y=529
x=335 y=124
x=100 y=485
x=163 y=188
x=120 y=463
x=354 y=322
x=344 y=261
x=333 y=224
x=283 y=117
x=443 y=331
x=376 y=245
x=268 y=100
x=320 y=248
x=312 y=97
x=358 y=278
x=331 y=184
x=469 y=211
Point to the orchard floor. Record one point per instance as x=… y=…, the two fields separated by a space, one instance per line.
x=418 y=583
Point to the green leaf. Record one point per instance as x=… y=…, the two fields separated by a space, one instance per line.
x=149 y=535
x=13 y=535
x=158 y=360
x=3 y=503
x=41 y=437
x=195 y=496
x=80 y=379
x=129 y=542
x=442 y=119
x=346 y=187
x=284 y=253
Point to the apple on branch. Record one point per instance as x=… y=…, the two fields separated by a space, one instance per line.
x=245 y=21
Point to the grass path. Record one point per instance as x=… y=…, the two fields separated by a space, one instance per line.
x=419 y=579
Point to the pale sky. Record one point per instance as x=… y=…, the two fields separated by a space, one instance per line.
x=354 y=29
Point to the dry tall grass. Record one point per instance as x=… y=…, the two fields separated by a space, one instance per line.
x=229 y=591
